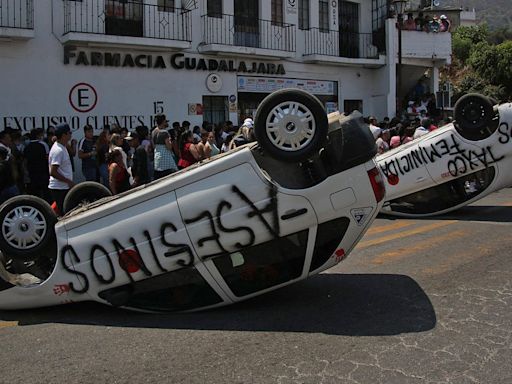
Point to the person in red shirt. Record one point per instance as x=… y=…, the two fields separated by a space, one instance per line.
x=189 y=153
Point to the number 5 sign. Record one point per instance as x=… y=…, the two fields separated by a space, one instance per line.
x=83 y=97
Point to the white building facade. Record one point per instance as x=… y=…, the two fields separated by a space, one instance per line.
x=101 y=62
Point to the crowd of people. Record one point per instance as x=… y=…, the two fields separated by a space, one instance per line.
x=391 y=133
x=426 y=23
x=42 y=163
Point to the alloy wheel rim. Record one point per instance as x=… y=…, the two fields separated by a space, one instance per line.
x=24 y=227
x=290 y=126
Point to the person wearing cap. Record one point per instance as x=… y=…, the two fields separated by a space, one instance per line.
x=87 y=153
x=139 y=167
x=444 y=24
x=59 y=162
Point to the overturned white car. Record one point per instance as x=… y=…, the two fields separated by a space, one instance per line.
x=270 y=213
x=454 y=165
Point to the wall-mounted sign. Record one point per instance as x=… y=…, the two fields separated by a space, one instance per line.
x=195 y=109
x=334 y=13
x=214 y=82
x=83 y=97
x=268 y=85
x=176 y=61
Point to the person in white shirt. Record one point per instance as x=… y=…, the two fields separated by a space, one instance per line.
x=422 y=129
x=382 y=142
x=59 y=162
x=376 y=130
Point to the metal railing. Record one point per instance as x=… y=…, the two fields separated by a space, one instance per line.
x=17 y=14
x=248 y=32
x=340 y=44
x=127 y=18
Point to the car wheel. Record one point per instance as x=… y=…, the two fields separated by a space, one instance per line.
x=473 y=112
x=27 y=227
x=291 y=125
x=84 y=193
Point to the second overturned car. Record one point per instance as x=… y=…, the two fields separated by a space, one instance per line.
x=454 y=165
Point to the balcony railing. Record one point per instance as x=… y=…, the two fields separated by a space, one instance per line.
x=127 y=18
x=248 y=32
x=17 y=14
x=340 y=44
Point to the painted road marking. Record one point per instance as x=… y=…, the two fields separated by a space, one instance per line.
x=6 y=324
x=418 y=246
x=390 y=227
x=415 y=231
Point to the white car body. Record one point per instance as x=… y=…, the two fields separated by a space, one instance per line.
x=217 y=233
x=442 y=171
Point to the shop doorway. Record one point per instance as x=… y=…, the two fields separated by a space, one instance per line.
x=215 y=109
x=349 y=29
x=124 y=18
x=247 y=33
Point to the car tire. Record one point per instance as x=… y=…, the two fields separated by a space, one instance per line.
x=84 y=193
x=473 y=112
x=26 y=227
x=291 y=125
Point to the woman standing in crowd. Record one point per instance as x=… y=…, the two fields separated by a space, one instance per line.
x=201 y=146
x=119 y=179
x=188 y=150
x=210 y=148
x=102 y=147
x=116 y=142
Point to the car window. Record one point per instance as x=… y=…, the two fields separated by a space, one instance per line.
x=177 y=290
x=444 y=196
x=264 y=265
x=328 y=237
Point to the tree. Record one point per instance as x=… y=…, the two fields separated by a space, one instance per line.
x=465 y=38
x=476 y=34
x=493 y=64
x=479 y=65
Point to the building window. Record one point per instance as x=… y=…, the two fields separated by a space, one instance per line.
x=215 y=109
x=323 y=16
x=303 y=14
x=166 y=5
x=277 y=12
x=214 y=8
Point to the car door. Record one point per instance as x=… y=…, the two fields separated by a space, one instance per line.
x=135 y=252
x=404 y=170
x=250 y=235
